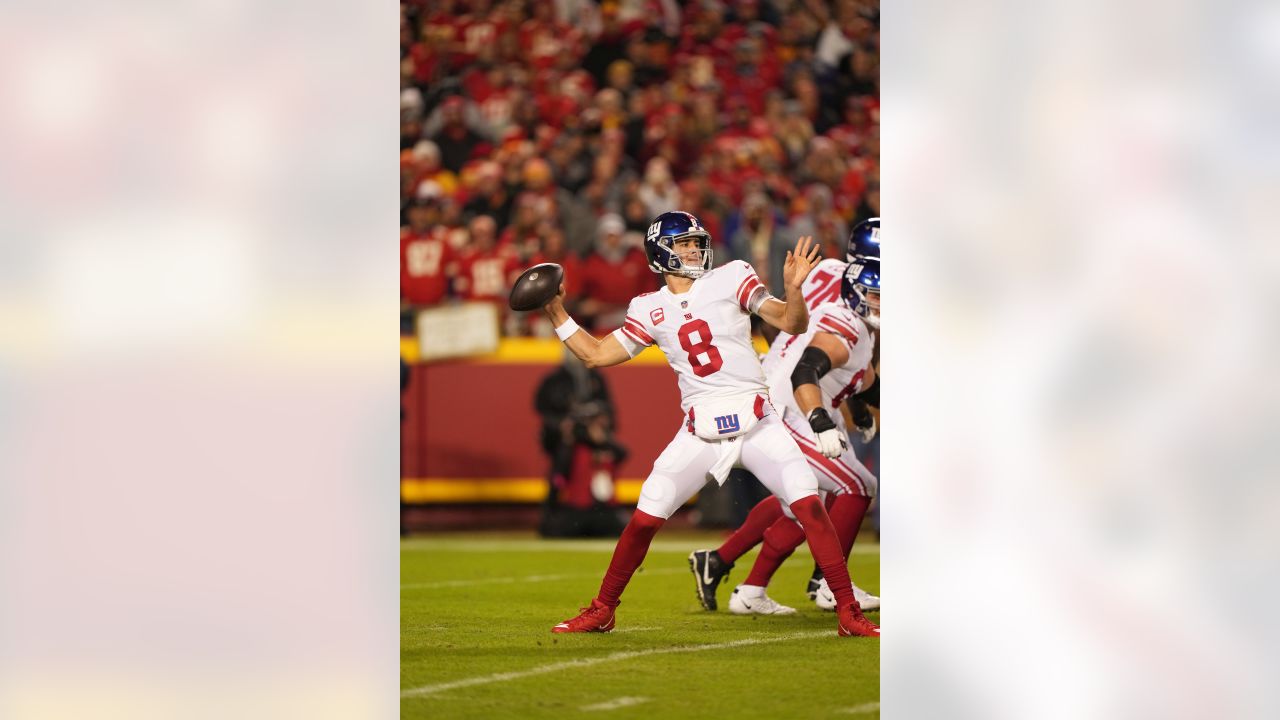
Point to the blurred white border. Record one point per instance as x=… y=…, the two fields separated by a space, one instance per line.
x=1079 y=504
x=198 y=385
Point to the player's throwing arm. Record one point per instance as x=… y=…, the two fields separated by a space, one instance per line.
x=591 y=351
x=542 y=286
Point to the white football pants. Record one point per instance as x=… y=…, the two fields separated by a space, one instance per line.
x=768 y=452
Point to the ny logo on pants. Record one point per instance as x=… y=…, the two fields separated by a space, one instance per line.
x=727 y=424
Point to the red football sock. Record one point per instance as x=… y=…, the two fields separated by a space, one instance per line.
x=780 y=540
x=627 y=556
x=846 y=515
x=825 y=546
x=764 y=514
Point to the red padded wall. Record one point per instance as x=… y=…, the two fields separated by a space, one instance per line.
x=476 y=420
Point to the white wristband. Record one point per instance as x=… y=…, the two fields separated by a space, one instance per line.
x=565 y=331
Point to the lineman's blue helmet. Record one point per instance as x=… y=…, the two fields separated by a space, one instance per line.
x=861 y=289
x=864 y=241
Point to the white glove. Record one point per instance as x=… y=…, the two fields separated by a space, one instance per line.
x=832 y=442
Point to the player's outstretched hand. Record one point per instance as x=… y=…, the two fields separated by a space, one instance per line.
x=800 y=262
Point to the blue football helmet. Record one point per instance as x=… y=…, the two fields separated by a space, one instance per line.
x=864 y=241
x=861 y=289
x=659 y=244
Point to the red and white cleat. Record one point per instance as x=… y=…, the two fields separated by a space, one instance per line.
x=597 y=618
x=852 y=622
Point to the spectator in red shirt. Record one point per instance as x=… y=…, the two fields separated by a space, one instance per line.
x=543 y=38
x=613 y=274
x=490 y=88
x=478 y=30
x=749 y=77
x=426 y=260
x=418 y=60
x=487 y=271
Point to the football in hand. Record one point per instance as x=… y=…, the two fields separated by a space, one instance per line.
x=536 y=287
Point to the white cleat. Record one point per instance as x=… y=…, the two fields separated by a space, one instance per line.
x=825 y=600
x=750 y=603
x=823 y=597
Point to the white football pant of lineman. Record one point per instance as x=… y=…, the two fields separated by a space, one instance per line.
x=843 y=474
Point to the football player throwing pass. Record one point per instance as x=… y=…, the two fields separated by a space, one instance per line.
x=700 y=320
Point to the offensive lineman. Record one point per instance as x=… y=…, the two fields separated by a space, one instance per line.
x=831 y=360
x=700 y=322
x=808 y=374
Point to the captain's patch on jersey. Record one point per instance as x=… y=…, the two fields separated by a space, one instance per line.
x=656 y=316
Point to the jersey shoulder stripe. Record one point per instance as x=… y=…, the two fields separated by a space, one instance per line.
x=835 y=327
x=632 y=336
x=636 y=331
x=746 y=289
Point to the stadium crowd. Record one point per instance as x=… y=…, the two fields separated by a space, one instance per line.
x=555 y=130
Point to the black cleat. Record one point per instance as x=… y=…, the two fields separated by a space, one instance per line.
x=708 y=570
x=814 y=583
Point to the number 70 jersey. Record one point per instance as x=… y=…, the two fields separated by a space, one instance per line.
x=705 y=333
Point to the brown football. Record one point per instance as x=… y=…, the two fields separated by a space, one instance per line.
x=536 y=287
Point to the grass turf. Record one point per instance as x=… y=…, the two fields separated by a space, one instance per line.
x=476 y=613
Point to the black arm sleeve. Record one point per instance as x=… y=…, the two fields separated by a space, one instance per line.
x=814 y=363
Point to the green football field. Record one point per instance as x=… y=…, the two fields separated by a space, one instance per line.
x=476 y=613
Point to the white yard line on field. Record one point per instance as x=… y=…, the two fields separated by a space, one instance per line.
x=540 y=546
x=526 y=579
x=588 y=662
x=616 y=703
x=861 y=709
x=636 y=629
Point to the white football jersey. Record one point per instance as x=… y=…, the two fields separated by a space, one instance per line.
x=823 y=283
x=841 y=382
x=705 y=333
